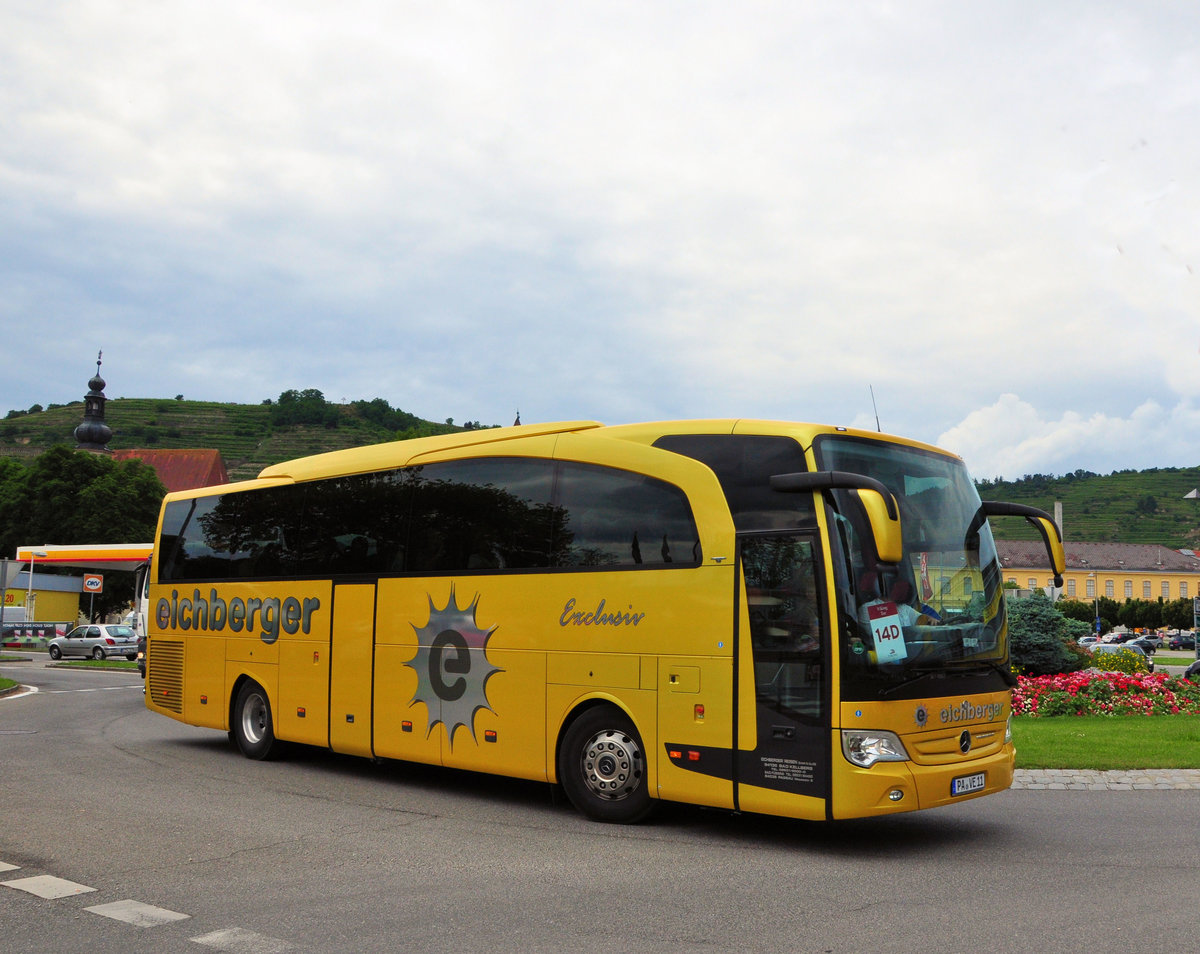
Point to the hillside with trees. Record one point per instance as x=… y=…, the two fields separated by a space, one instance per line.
x=249 y=436
x=1147 y=506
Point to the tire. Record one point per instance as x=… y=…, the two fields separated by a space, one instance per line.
x=253 y=729
x=602 y=767
x=132 y=658
x=55 y=652
x=97 y=653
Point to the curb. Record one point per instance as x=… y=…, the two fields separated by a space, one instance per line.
x=1079 y=780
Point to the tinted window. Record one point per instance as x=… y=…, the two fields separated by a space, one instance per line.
x=231 y=535
x=744 y=464
x=487 y=514
x=452 y=517
x=617 y=518
x=349 y=525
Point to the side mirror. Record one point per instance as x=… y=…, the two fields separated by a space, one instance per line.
x=1043 y=523
x=877 y=503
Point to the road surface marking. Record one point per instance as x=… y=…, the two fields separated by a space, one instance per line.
x=243 y=942
x=47 y=886
x=137 y=913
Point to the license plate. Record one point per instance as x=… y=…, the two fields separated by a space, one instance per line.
x=967 y=784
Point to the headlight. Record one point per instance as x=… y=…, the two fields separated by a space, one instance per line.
x=864 y=749
x=1008 y=729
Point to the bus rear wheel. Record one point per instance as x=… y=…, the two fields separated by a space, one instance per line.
x=253 y=728
x=602 y=767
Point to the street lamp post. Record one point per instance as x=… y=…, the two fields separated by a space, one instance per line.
x=1096 y=599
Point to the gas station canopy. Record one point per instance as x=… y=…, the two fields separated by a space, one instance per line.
x=88 y=556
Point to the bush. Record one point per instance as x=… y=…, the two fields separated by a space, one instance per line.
x=1038 y=638
x=1126 y=661
x=1105 y=693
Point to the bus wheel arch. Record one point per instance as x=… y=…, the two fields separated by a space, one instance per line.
x=251 y=722
x=602 y=764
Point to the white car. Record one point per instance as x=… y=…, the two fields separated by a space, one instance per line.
x=97 y=640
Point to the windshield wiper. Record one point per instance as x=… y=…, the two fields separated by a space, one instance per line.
x=1004 y=672
x=918 y=675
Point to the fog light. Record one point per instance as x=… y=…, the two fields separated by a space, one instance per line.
x=895 y=794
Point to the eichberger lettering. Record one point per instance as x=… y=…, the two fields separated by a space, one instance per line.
x=967 y=711
x=214 y=614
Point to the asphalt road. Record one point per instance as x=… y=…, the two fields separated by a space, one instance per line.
x=184 y=846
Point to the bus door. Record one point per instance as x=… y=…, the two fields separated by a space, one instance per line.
x=351 y=668
x=783 y=751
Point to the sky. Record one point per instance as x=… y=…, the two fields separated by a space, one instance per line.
x=973 y=224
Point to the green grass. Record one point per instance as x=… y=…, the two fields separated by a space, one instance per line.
x=1107 y=743
x=6 y=683
x=96 y=664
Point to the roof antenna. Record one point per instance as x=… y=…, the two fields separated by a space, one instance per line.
x=876 y=409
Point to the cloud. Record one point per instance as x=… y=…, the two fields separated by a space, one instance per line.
x=1012 y=438
x=612 y=211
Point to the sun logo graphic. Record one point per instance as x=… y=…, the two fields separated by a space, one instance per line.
x=452 y=666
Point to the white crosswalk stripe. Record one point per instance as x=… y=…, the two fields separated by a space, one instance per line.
x=243 y=942
x=137 y=913
x=47 y=886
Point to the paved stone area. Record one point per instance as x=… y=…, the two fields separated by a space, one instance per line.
x=1075 y=780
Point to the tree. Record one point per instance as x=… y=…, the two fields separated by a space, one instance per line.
x=304 y=407
x=1178 y=614
x=379 y=412
x=1038 y=634
x=67 y=496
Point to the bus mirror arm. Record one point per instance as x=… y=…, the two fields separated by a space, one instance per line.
x=877 y=502
x=1042 y=522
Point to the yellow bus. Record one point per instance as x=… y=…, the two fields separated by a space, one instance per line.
x=773 y=617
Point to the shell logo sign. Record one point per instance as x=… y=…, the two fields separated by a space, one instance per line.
x=93 y=583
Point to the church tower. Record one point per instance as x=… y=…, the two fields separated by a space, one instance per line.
x=93 y=434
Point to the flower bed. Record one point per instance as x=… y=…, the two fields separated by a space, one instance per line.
x=1105 y=693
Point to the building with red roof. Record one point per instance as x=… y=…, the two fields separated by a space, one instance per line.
x=180 y=469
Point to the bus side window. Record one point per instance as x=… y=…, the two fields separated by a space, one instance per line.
x=489 y=513
x=611 y=518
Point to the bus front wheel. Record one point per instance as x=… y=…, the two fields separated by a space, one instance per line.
x=602 y=767
x=253 y=729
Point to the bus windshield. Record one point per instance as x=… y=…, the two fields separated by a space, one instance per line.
x=940 y=610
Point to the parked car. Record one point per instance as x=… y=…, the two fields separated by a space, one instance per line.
x=97 y=640
x=1100 y=648
x=1183 y=641
x=1153 y=640
x=1087 y=642
x=1147 y=645
x=1193 y=672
